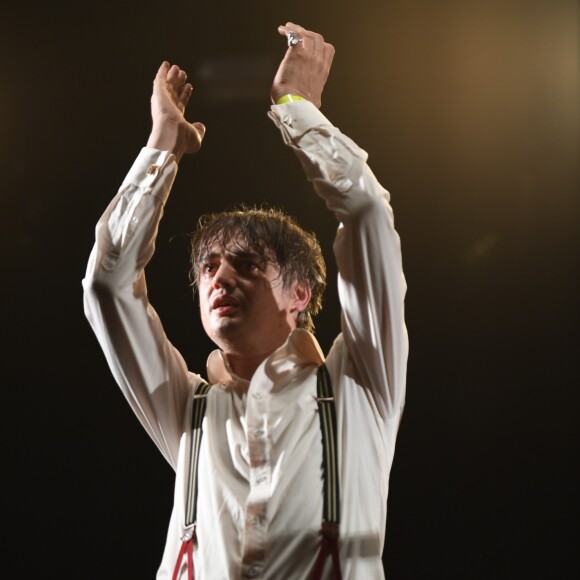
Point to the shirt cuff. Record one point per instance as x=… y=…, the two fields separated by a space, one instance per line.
x=148 y=167
x=297 y=118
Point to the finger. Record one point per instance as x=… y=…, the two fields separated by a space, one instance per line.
x=329 y=51
x=302 y=33
x=200 y=128
x=181 y=77
x=295 y=27
x=196 y=137
x=180 y=83
x=173 y=73
x=284 y=29
x=173 y=83
x=184 y=96
x=316 y=43
x=312 y=42
x=176 y=81
x=163 y=69
x=161 y=76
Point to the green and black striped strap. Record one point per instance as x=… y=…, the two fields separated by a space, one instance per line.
x=197 y=414
x=189 y=537
x=327 y=412
x=330 y=530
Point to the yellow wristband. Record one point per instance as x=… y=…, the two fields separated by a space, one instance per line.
x=289 y=99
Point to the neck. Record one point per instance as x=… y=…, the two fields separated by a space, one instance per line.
x=245 y=365
x=245 y=358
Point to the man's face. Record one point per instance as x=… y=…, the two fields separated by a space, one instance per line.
x=244 y=306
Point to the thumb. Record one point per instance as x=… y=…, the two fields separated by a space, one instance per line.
x=200 y=128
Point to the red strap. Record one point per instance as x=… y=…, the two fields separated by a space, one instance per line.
x=186 y=546
x=322 y=553
x=328 y=545
x=335 y=560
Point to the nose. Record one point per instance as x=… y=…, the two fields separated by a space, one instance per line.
x=224 y=276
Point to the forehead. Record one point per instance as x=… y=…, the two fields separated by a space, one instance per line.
x=232 y=248
x=234 y=244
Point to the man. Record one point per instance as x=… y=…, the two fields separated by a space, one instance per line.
x=261 y=505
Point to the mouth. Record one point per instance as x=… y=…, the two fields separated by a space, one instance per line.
x=224 y=304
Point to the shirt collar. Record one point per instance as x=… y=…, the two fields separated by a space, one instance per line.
x=300 y=349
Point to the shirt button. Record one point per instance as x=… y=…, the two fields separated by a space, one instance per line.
x=256 y=395
x=258 y=432
x=261 y=479
x=135 y=219
x=251 y=572
x=153 y=169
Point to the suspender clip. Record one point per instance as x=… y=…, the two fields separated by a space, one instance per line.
x=330 y=530
x=188 y=532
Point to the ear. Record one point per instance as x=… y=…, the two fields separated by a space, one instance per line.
x=302 y=295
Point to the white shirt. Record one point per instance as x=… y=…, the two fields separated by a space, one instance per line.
x=260 y=475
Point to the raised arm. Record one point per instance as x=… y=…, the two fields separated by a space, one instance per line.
x=150 y=372
x=367 y=247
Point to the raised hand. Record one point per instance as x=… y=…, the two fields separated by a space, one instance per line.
x=171 y=131
x=305 y=67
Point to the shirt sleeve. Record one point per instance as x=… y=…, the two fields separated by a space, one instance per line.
x=150 y=371
x=371 y=283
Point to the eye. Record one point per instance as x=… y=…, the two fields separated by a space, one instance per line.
x=208 y=268
x=250 y=265
x=247 y=265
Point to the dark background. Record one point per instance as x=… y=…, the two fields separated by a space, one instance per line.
x=469 y=111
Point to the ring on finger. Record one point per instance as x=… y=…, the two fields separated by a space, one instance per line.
x=293 y=38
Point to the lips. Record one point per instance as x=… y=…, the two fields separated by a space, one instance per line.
x=224 y=302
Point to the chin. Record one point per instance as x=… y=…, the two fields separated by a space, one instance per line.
x=226 y=333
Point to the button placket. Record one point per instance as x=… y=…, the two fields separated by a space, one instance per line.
x=260 y=476
x=250 y=572
x=260 y=479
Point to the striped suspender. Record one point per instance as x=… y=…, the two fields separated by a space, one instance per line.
x=331 y=508
x=197 y=414
x=189 y=537
x=331 y=505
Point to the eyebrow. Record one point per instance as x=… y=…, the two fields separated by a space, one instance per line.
x=240 y=254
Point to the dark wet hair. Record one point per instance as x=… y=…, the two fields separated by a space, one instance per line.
x=276 y=238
